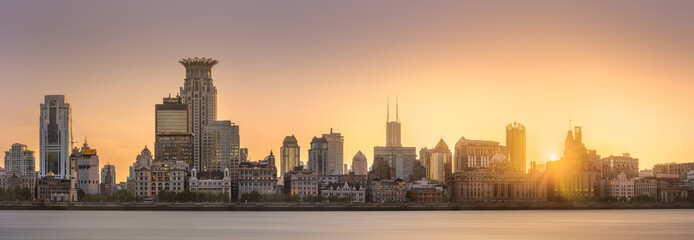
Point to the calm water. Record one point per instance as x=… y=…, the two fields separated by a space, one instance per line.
x=578 y=224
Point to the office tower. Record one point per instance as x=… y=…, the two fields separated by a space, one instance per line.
x=335 y=153
x=200 y=95
x=400 y=158
x=515 y=146
x=55 y=136
x=475 y=153
x=359 y=164
x=218 y=139
x=20 y=159
x=425 y=159
x=290 y=154
x=173 y=139
x=318 y=155
x=87 y=168
x=108 y=179
x=440 y=156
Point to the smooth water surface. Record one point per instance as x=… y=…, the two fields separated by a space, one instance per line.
x=521 y=224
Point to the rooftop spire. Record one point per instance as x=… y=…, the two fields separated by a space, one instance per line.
x=397 y=117
x=388 y=109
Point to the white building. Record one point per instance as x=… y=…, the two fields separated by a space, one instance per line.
x=335 y=152
x=439 y=157
x=55 y=136
x=360 y=166
x=210 y=185
x=343 y=190
x=20 y=159
x=151 y=178
x=621 y=187
x=87 y=168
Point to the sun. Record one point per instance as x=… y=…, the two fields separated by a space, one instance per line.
x=553 y=157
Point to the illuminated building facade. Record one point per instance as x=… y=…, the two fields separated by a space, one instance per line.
x=55 y=137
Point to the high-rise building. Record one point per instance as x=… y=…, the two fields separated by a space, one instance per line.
x=318 y=156
x=359 y=164
x=290 y=154
x=200 y=95
x=87 y=168
x=335 y=153
x=108 y=179
x=20 y=159
x=515 y=146
x=173 y=139
x=219 y=140
x=401 y=159
x=475 y=153
x=425 y=160
x=55 y=136
x=439 y=156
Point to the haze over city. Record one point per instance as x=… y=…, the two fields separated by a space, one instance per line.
x=621 y=70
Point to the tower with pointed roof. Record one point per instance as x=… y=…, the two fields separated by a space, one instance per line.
x=401 y=159
x=289 y=154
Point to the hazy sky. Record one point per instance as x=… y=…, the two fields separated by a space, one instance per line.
x=621 y=69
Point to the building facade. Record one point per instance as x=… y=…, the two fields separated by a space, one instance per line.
x=290 y=154
x=173 y=139
x=621 y=187
x=211 y=184
x=153 y=177
x=87 y=168
x=475 y=153
x=497 y=184
x=258 y=176
x=318 y=156
x=354 y=191
x=646 y=187
x=612 y=166
x=219 y=140
x=360 y=166
x=108 y=179
x=301 y=182
x=573 y=177
x=515 y=146
x=680 y=169
x=20 y=159
x=387 y=191
x=55 y=136
x=438 y=158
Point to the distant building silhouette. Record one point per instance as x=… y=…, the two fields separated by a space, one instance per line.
x=326 y=154
x=290 y=153
x=515 y=146
x=173 y=140
x=401 y=159
x=380 y=169
x=573 y=177
x=359 y=164
x=108 y=179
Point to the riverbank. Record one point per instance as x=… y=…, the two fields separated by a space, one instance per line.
x=330 y=207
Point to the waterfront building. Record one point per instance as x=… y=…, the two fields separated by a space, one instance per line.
x=217 y=143
x=300 y=181
x=438 y=157
x=573 y=177
x=387 y=191
x=108 y=179
x=14 y=179
x=173 y=139
x=260 y=176
x=355 y=191
x=680 y=169
x=359 y=164
x=353 y=178
x=424 y=191
x=671 y=192
x=52 y=189
x=153 y=177
x=55 y=136
x=289 y=154
x=498 y=183
x=646 y=187
x=87 y=168
x=200 y=94
x=614 y=165
x=474 y=153
x=515 y=146
x=324 y=180
x=207 y=182
x=621 y=187
x=380 y=169
x=20 y=159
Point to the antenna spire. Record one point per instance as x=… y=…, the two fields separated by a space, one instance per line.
x=397 y=117
x=388 y=109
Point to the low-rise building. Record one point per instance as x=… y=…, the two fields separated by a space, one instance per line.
x=485 y=186
x=621 y=187
x=154 y=178
x=612 y=166
x=681 y=169
x=668 y=192
x=300 y=181
x=260 y=176
x=14 y=179
x=52 y=189
x=355 y=191
x=210 y=182
x=387 y=191
x=425 y=195
x=646 y=187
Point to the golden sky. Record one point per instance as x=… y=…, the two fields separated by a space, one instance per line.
x=622 y=70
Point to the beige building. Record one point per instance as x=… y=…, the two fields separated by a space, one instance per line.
x=301 y=182
x=360 y=166
x=680 y=169
x=343 y=190
x=621 y=187
x=151 y=178
x=387 y=191
x=646 y=187
x=260 y=176
x=612 y=166
x=208 y=183
x=475 y=153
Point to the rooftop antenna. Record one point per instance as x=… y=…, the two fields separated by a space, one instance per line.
x=397 y=117
x=388 y=109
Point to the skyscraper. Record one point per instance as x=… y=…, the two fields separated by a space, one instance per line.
x=335 y=152
x=87 y=168
x=515 y=146
x=218 y=139
x=200 y=95
x=440 y=156
x=318 y=155
x=359 y=164
x=289 y=154
x=55 y=136
x=173 y=139
x=400 y=158
x=108 y=179
x=20 y=159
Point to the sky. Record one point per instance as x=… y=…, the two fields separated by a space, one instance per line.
x=620 y=69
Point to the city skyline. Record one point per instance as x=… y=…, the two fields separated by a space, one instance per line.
x=626 y=100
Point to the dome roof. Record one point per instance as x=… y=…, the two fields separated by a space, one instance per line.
x=441 y=146
x=498 y=159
